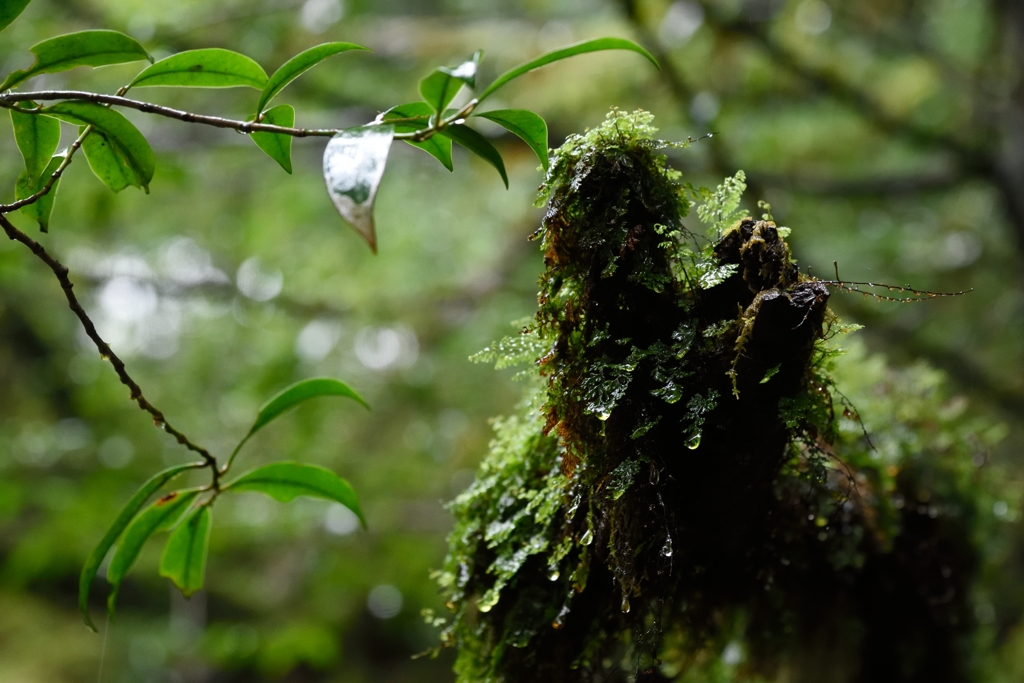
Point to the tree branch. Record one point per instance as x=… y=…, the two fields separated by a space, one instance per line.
x=45 y=189
x=61 y=271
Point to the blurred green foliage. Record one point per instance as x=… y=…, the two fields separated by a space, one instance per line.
x=882 y=131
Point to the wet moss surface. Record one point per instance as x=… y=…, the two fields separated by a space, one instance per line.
x=676 y=499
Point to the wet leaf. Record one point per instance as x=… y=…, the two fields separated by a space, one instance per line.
x=415 y=116
x=124 y=517
x=124 y=138
x=211 y=67
x=25 y=186
x=37 y=137
x=85 y=48
x=105 y=162
x=441 y=86
x=163 y=514
x=562 y=53
x=9 y=11
x=527 y=125
x=298 y=65
x=184 y=558
x=477 y=144
x=354 y=163
x=285 y=481
x=278 y=146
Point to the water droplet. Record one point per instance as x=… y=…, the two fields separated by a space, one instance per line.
x=553 y=574
x=559 y=621
x=488 y=601
x=588 y=537
x=625 y=605
x=666 y=550
x=655 y=474
x=694 y=441
x=604 y=416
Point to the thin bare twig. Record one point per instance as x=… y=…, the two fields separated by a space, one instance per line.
x=45 y=189
x=61 y=271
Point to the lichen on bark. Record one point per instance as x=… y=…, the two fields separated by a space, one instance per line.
x=678 y=496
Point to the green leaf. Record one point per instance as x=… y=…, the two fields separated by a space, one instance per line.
x=441 y=86
x=105 y=162
x=416 y=116
x=298 y=65
x=285 y=481
x=354 y=163
x=278 y=146
x=124 y=517
x=211 y=67
x=25 y=186
x=124 y=138
x=9 y=11
x=527 y=125
x=85 y=48
x=160 y=516
x=37 y=137
x=291 y=396
x=477 y=144
x=562 y=53
x=184 y=559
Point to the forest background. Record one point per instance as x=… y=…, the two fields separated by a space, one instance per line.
x=888 y=135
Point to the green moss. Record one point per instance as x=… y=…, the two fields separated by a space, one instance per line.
x=682 y=480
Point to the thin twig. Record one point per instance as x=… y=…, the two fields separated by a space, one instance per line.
x=8 y=100
x=45 y=189
x=61 y=271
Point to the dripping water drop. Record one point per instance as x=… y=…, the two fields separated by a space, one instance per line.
x=694 y=441
x=625 y=605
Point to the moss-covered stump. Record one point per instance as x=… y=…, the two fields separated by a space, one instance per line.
x=678 y=499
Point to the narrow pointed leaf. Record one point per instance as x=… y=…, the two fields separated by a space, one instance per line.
x=124 y=138
x=354 y=163
x=562 y=53
x=37 y=137
x=298 y=65
x=278 y=146
x=25 y=186
x=85 y=48
x=124 y=517
x=416 y=116
x=211 y=67
x=527 y=125
x=184 y=559
x=160 y=516
x=9 y=11
x=291 y=396
x=477 y=144
x=285 y=481
x=106 y=163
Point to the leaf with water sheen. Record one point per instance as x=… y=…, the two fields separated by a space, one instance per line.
x=124 y=517
x=105 y=163
x=160 y=516
x=85 y=48
x=299 y=64
x=184 y=558
x=527 y=125
x=443 y=84
x=9 y=11
x=477 y=144
x=124 y=138
x=285 y=481
x=37 y=137
x=25 y=186
x=278 y=146
x=211 y=67
x=354 y=163
x=562 y=53
x=415 y=116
